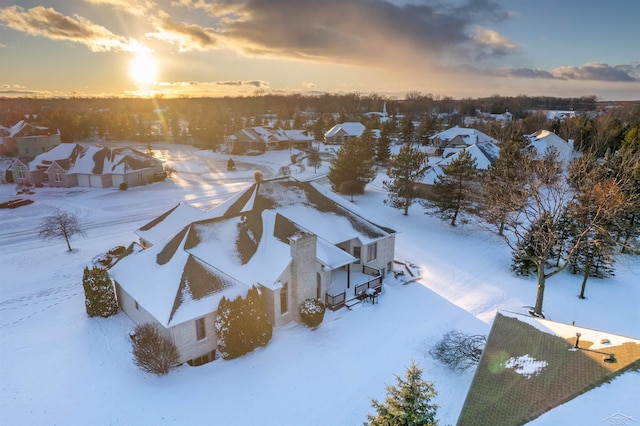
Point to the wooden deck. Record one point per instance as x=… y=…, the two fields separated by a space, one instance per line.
x=349 y=289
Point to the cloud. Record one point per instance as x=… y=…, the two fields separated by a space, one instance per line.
x=362 y=32
x=186 y=36
x=492 y=43
x=587 y=72
x=46 y=22
x=594 y=71
x=254 y=83
x=135 y=7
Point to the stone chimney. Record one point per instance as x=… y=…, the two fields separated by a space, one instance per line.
x=304 y=268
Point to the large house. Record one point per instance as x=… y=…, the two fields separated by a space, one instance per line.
x=542 y=140
x=338 y=134
x=27 y=140
x=531 y=365
x=460 y=137
x=264 y=138
x=69 y=165
x=293 y=240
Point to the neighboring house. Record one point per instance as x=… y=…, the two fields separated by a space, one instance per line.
x=338 y=134
x=5 y=174
x=264 y=138
x=19 y=172
x=69 y=165
x=531 y=365
x=460 y=137
x=484 y=153
x=293 y=240
x=26 y=140
x=544 y=139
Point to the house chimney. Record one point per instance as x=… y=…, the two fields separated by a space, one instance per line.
x=577 y=340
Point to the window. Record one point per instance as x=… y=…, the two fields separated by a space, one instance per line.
x=356 y=253
x=21 y=174
x=200 y=330
x=58 y=176
x=318 y=286
x=284 y=303
x=372 y=252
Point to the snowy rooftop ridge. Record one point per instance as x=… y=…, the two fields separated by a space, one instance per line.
x=532 y=365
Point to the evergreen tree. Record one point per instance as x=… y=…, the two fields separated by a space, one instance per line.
x=409 y=403
x=503 y=183
x=383 y=146
x=407 y=130
x=260 y=328
x=225 y=329
x=454 y=192
x=353 y=163
x=408 y=167
x=100 y=299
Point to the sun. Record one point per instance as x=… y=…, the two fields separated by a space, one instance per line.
x=143 y=69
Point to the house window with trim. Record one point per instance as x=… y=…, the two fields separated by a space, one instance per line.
x=356 y=253
x=57 y=176
x=201 y=332
x=372 y=252
x=284 y=299
x=21 y=174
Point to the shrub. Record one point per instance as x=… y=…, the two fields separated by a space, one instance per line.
x=152 y=352
x=459 y=351
x=123 y=186
x=312 y=312
x=242 y=325
x=100 y=299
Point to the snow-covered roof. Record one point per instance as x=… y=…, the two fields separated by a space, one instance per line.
x=469 y=135
x=247 y=242
x=350 y=128
x=94 y=160
x=170 y=222
x=485 y=154
x=531 y=365
x=298 y=135
x=544 y=139
x=23 y=128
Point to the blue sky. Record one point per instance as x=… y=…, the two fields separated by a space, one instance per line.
x=463 y=48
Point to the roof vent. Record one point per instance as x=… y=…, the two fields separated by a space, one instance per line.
x=609 y=358
x=605 y=341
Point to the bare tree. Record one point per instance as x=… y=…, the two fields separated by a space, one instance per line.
x=459 y=351
x=153 y=352
x=61 y=224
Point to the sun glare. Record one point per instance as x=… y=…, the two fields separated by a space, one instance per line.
x=143 y=69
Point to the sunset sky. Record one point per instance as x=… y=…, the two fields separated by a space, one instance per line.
x=465 y=48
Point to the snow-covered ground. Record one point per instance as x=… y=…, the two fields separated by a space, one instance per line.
x=57 y=366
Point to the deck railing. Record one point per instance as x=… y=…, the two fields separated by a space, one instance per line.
x=337 y=301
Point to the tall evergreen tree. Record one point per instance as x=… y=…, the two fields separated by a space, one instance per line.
x=407 y=168
x=383 y=146
x=455 y=191
x=260 y=328
x=353 y=164
x=100 y=299
x=503 y=178
x=408 y=403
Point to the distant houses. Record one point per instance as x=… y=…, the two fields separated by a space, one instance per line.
x=338 y=134
x=259 y=139
x=68 y=165
x=26 y=140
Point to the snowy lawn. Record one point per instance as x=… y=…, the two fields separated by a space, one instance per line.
x=57 y=366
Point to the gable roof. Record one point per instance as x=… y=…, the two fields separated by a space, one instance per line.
x=468 y=135
x=530 y=365
x=350 y=128
x=94 y=160
x=544 y=139
x=485 y=154
x=247 y=242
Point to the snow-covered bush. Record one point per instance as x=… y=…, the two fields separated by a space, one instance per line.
x=152 y=352
x=100 y=299
x=312 y=312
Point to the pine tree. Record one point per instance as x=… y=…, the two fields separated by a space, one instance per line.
x=454 y=192
x=408 y=168
x=100 y=299
x=503 y=183
x=406 y=404
x=383 y=146
x=260 y=328
x=353 y=163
